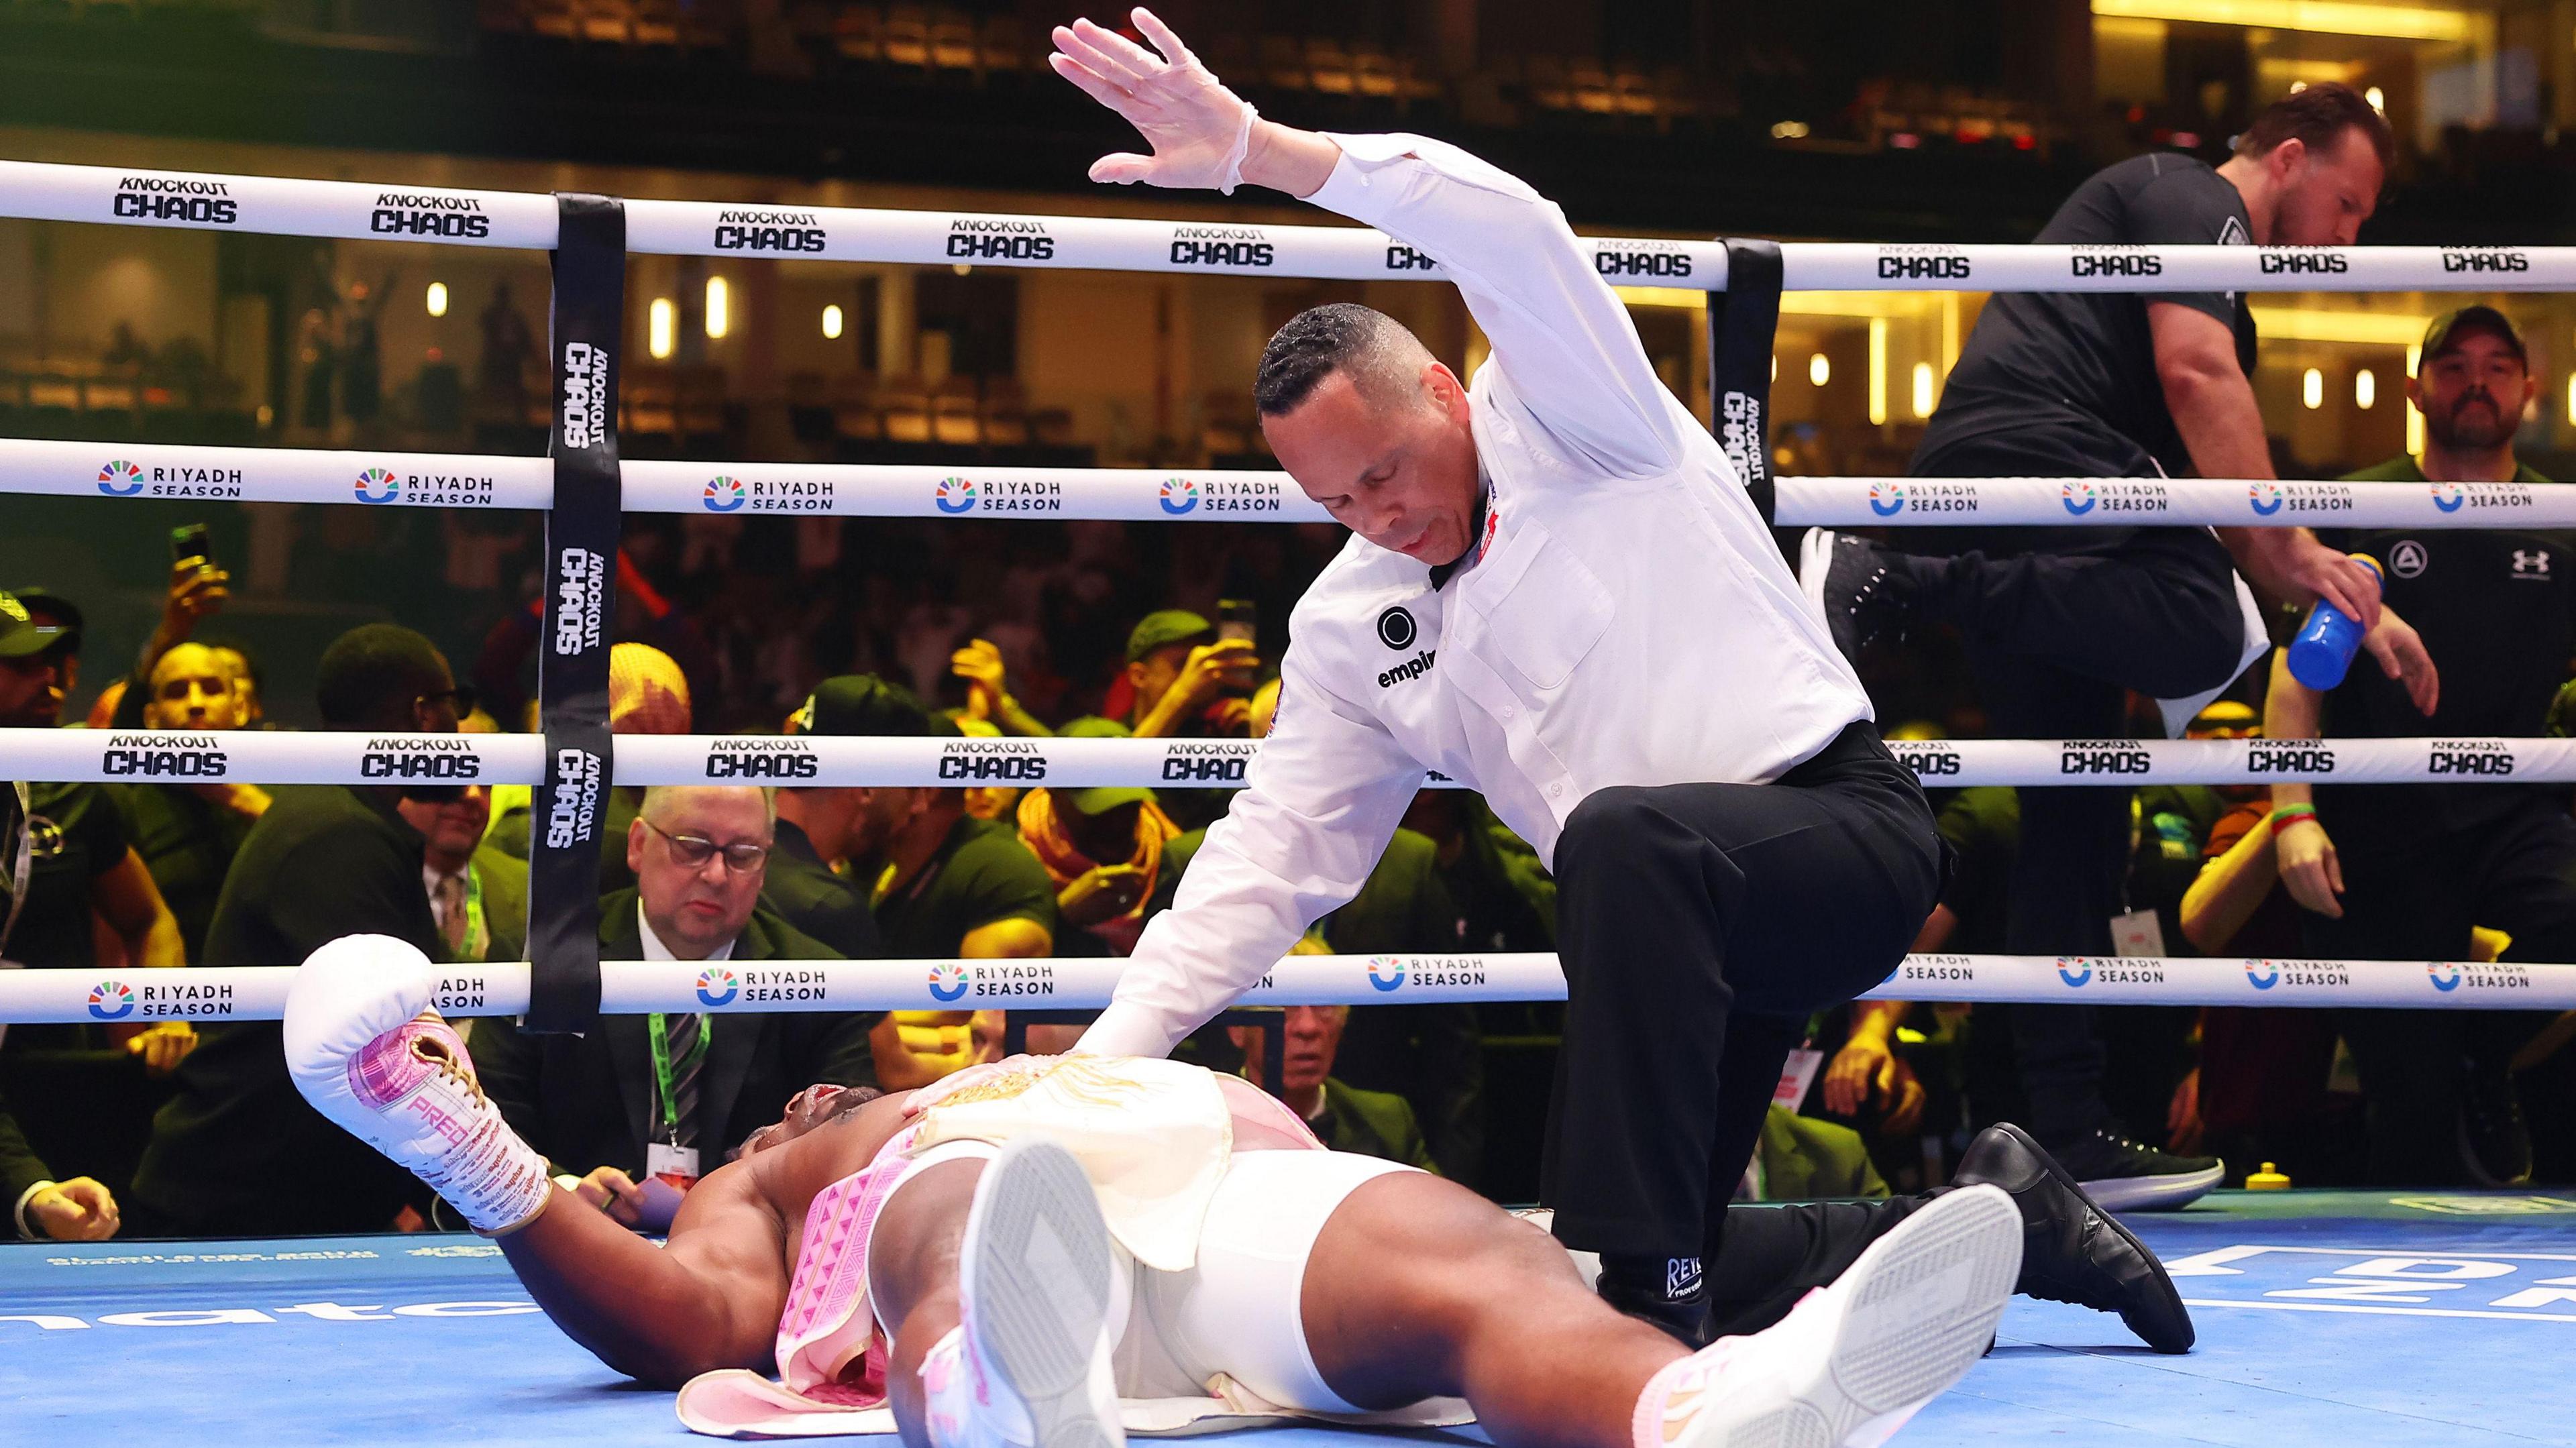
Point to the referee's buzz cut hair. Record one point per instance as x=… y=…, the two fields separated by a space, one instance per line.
x=1384 y=358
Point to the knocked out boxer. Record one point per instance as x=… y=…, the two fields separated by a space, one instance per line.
x=1002 y=1258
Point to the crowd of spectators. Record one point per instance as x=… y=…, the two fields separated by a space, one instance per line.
x=165 y=1129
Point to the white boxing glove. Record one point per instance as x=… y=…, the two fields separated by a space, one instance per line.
x=365 y=1048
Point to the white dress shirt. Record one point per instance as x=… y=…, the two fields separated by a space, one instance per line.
x=1625 y=619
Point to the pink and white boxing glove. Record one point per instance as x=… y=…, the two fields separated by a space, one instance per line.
x=365 y=1048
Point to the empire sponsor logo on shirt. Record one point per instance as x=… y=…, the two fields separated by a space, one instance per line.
x=157 y=755
x=761 y=757
x=440 y=758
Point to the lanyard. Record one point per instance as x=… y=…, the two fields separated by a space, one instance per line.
x=663 y=1072
x=478 y=936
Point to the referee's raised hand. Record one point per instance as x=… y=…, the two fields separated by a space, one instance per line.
x=1200 y=130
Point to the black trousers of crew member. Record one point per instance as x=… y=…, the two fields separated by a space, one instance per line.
x=1699 y=926
x=2413 y=897
x=2056 y=636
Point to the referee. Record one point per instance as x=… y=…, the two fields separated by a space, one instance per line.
x=1541 y=560
x=2061 y=623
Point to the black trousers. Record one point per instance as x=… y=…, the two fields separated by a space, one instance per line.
x=2056 y=637
x=2413 y=896
x=1700 y=925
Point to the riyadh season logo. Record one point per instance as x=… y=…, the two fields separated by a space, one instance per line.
x=723 y=495
x=2077 y=496
x=1179 y=495
x=1385 y=972
x=956 y=495
x=2075 y=971
x=2445 y=976
x=120 y=479
x=717 y=987
x=947 y=982
x=1887 y=499
x=2264 y=497
x=111 y=1000
x=2449 y=497
x=376 y=485
x=2262 y=974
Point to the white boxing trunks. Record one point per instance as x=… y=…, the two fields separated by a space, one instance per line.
x=1239 y=1310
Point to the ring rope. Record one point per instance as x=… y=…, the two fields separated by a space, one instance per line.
x=264 y=757
x=476 y=481
x=353 y=210
x=258 y=993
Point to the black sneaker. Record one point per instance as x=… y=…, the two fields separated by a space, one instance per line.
x=2495 y=1141
x=2072 y=1250
x=1859 y=589
x=2127 y=1176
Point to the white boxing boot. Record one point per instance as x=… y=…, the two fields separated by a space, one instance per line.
x=1852 y=1362
x=1037 y=1281
x=365 y=1048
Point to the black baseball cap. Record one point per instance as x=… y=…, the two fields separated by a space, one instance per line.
x=1165 y=627
x=23 y=637
x=55 y=612
x=2479 y=318
x=864 y=705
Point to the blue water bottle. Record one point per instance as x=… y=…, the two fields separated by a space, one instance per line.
x=2323 y=649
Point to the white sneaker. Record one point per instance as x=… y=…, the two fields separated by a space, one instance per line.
x=1852 y=1362
x=1035 y=1278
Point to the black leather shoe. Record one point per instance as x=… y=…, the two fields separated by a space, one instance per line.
x=2072 y=1250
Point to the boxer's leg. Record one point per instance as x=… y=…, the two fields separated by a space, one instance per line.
x=912 y=1275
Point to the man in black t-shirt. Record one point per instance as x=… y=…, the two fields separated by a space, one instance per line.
x=2117 y=385
x=2402 y=871
x=238 y=1152
x=944 y=885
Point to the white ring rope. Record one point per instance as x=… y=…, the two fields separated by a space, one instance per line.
x=633 y=987
x=360 y=211
x=279 y=757
x=874 y=490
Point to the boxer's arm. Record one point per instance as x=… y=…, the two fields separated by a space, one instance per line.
x=1321 y=801
x=661 y=1315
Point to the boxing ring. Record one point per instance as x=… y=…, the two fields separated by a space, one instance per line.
x=2370 y=1317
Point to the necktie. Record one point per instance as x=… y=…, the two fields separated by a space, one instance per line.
x=688 y=1044
x=453 y=927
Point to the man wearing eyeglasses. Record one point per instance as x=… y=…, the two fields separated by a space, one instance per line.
x=630 y=1115
x=236 y=1152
